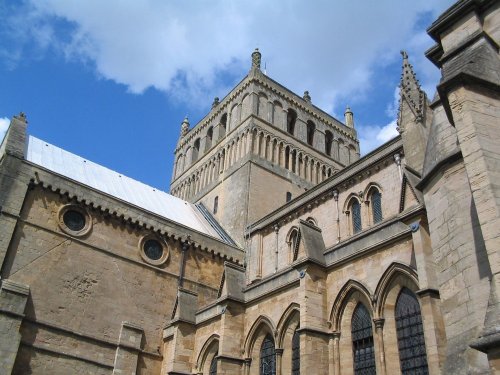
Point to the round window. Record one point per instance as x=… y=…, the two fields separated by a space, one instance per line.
x=153 y=249
x=74 y=220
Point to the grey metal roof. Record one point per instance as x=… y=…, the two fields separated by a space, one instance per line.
x=115 y=184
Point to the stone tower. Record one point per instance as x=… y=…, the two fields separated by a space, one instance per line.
x=256 y=149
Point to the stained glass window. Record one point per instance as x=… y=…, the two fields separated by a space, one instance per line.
x=362 y=342
x=376 y=206
x=296 y=353
x=267 y=357
x=213 y=365
x=410 y=332
x=356 y=216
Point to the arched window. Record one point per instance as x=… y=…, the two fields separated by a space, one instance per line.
x=208 y=142
x=296 y=353
x=213 y=365
x=328 y=142
x=311 y=129
x=362 y=342
x=195 y=151
x=223 y=125
x=216 y=204
x=291 y=118
x=356 y=216
x=288 y=196
x=267 y=357
x=376 y=206
x=411 y=344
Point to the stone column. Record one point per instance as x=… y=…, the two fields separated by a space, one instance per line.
x=336 y=353
x=379 y=333
x=13 y=298
x=246 y=366
x=279 y=356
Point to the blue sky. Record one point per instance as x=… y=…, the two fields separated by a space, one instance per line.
x=112 y=81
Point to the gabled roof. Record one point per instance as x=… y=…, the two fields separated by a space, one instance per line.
x=117 y=185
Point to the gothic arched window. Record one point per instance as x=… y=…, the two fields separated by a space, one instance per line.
x=296 y=353
x=213 y=365
x=356 y=216
x=411 y=344
x=362 y=342
x=376 y=206
x=267 y=357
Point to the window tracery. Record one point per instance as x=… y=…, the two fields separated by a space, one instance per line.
x=268 y=357
x=362 y=342
x=410 y=333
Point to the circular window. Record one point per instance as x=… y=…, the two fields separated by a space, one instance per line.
x=74 y=220
x=153 y=250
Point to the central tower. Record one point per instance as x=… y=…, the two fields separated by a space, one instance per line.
x=259 y=147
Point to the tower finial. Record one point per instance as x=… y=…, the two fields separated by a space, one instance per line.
x=410 y=91
x=184 y=127
x=256 y=58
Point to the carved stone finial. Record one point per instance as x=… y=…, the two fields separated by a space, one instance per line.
x=22 y=117
x=184 y=127
x=307 y=97
x=256 y=58
x=215 y=103
x=404 y=54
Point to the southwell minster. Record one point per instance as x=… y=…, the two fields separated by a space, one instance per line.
x=279 y=250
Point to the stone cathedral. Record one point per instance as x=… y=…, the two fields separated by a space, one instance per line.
x=279 y=250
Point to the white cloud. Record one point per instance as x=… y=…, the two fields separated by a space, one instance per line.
x=4 y=125
x=372 y=136
x=332 y=49
x=329 y=48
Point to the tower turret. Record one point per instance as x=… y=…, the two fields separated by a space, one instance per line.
x=349 y=117
x=256 y=59
x=184 y=127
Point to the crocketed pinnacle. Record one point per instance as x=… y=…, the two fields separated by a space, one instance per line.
x=410 y=91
